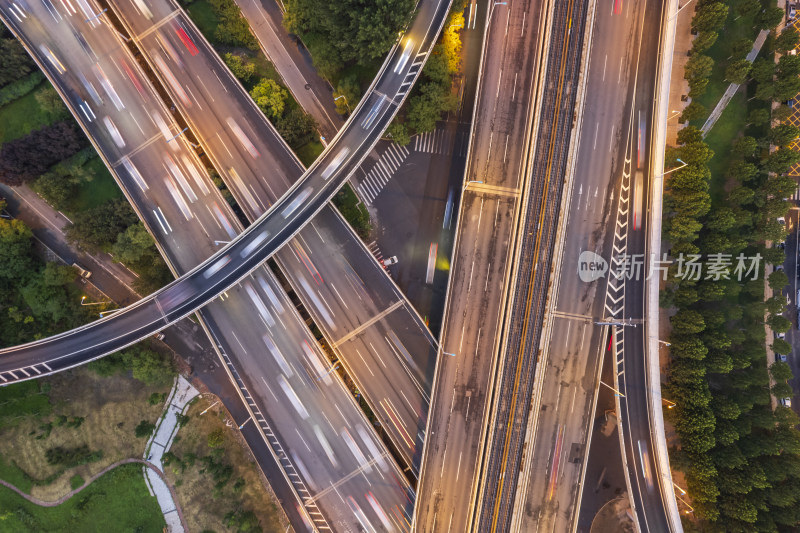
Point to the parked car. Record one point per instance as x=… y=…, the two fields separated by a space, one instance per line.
x=82 y=271
x=786 y=402
x=780 y=357
x=791 y=12
x=390 y=261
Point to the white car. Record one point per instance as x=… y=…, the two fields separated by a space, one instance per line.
x=786 y=402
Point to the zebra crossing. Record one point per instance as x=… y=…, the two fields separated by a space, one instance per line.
x=381 y=172
x=440 y=141
x=376 y=251
x=433 y=142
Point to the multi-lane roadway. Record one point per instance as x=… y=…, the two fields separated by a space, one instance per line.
x=190 y=206
x=372 y=328
x=471 y=325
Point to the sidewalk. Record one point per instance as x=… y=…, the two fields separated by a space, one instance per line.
x=678 y=86
x=733 y=87
x=161 y=440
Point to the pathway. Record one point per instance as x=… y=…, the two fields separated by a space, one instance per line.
x=733 y=87
x=181 y=394
x=151 y=468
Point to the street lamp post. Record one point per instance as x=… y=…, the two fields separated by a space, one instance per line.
x=491 y=10
x=333 y=367
x=221 y=242
x=676 y=168
x=616 y=392
x=83 y=298
x=345 y=102
x=680 y=9
x=209 y=407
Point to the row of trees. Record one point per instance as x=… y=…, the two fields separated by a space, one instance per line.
x=433 y=94
x=710 y=17
x=741 y=459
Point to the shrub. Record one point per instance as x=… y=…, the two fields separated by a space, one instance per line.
x=144 y=429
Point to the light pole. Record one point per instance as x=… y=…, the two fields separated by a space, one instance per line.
x=245 y=422
x=680 y=9
x=491 y=10
x=97 y=16
x=83 y=298
x=209 y=407
x=103 y=313
x=221 y=242
x=345 y=102
x=670 y=405
x=673 y=115
x=616 y=392
x=676 y=168
x=333 y=367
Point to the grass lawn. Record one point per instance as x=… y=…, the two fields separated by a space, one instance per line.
x=110 y=407
x=205 y=507
x=720 y=138
x=204 y=18
x=23 y=115
x=118 y=501
x=101 y=189
x=309 y=152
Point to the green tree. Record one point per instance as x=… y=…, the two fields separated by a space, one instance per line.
x=47 y=296
x=758 y=117
x=741 y=47
x=763 y=70
x=241 y=68
x=232 y=29
x=747 y=8
x=745 y=146
x=742 y=171
x=787 y=40
x=16 y=241
x=398 y=132
x=50 y=102
x=216 y=439
x=270 y=98
x=737 y=71
x=710 y=17
x=149 y=367
x=296 y=127
x=350 y=89
x=783 y=134
x=16 y=63
x=777 y=280
x=704 y=41
x=98 y=228
x=781 y=113
x=769 y=18
x=781 y=371
x=781 y=160
x=693 y=111
x=697 y=87
x=779 y=324
x=698 y=66
x=144 y=429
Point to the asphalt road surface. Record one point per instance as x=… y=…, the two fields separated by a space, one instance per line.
x=621 y=73
x=472 y=313
x=533 y=265
x=327 y=463
x=349 y=296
